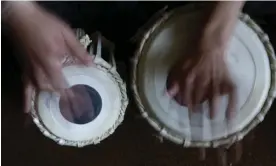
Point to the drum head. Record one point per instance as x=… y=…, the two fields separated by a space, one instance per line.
x=247 y=61
x=100 y=105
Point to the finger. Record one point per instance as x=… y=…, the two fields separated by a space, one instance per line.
x=77 y=101
x=76 y=49
x=84 y=104
x=65 y=106
x=173 y=90
x=214 y=106
x=29 y=72
x=178 y=99
x=42 y=83
x=200 y=91
x=28 y=96
x=232 y=103
x=214 y=100
x=187 y=64
x=187 y=92
x=53 y=71
x=75 y=106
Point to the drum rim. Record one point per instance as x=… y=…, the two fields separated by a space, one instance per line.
x=109 y=69
x=231 y=139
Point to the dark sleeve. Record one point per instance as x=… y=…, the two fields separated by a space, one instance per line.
x=260 y=8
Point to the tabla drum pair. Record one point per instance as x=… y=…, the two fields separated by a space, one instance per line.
x=250 y=59
x=105 y=92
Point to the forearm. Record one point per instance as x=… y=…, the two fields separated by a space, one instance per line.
x=223 y=18
x=14 y=12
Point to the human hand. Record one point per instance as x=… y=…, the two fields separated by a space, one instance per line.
x=45 y=41
x=203 y=75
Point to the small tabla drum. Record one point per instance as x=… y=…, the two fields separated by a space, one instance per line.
x=106 y=90
x=250 y=59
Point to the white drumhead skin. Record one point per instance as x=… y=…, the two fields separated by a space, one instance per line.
x=246 y=59
x=51 y=117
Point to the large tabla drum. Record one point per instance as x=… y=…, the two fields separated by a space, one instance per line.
x=107 y=92
x=250 y=59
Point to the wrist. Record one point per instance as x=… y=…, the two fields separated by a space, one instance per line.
x=215 y=36
x=222 y=20
x=220 y=30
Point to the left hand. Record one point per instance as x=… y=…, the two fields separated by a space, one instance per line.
x=46 y=42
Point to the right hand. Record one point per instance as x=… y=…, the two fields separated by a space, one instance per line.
x=45 y=41
x=202 y=74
